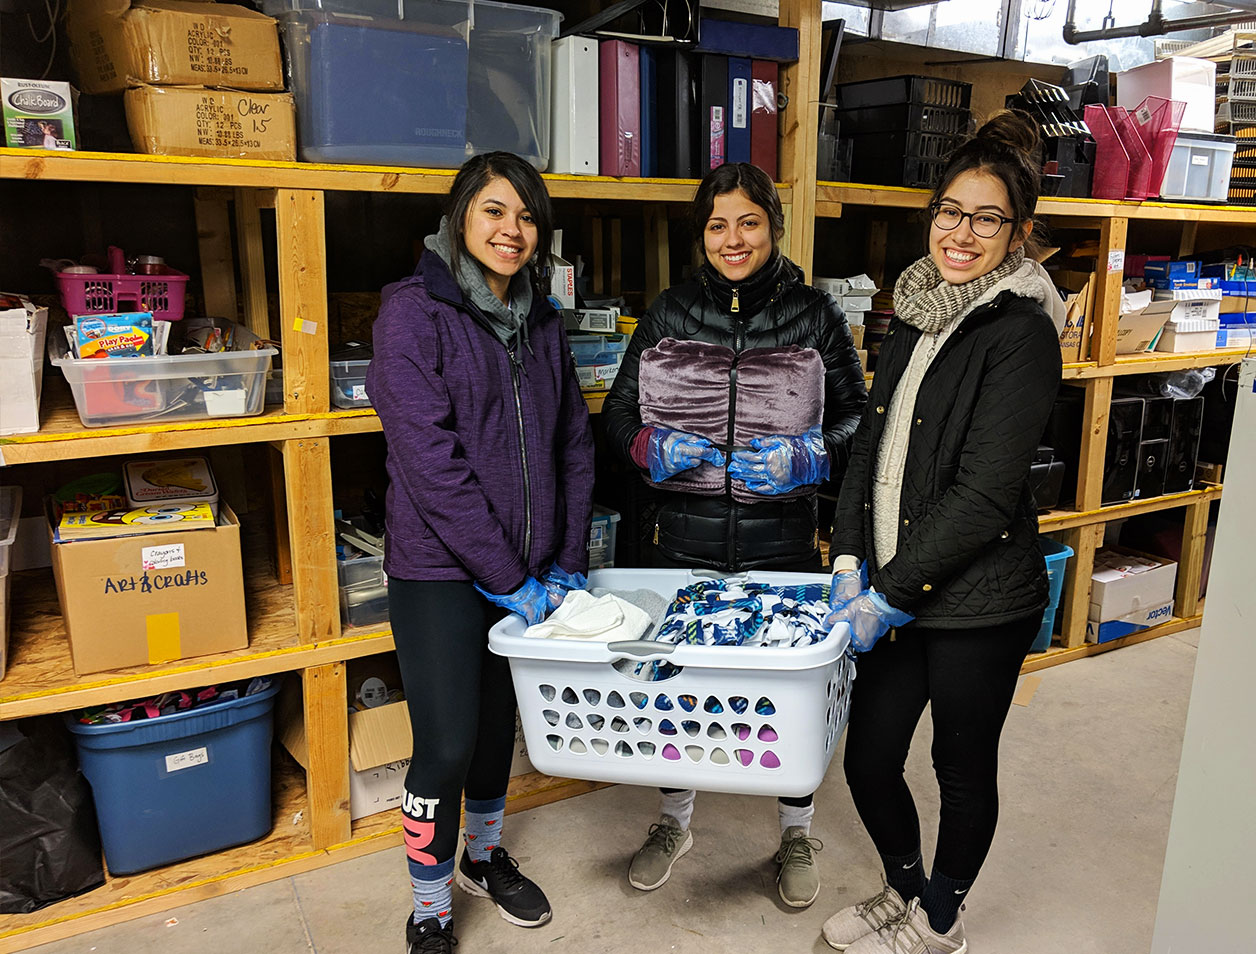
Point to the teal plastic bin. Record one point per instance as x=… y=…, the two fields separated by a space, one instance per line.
x=180 y=785
x=1057 y=556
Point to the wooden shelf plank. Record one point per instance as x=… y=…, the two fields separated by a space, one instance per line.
x=1067 y=519
x=39 y=164
x=1152 y=361
x=1056 y=655
x=287 y=851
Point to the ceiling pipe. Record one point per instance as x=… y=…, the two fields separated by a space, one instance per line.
x=1154 y=25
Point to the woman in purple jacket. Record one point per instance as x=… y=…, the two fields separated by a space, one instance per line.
x=490 y=465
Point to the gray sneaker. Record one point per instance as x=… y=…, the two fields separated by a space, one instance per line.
x=664 y=844
x=909 y=933
x=798 y=879
x=851 y=923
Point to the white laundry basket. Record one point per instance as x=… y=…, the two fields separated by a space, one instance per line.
x=583 y=718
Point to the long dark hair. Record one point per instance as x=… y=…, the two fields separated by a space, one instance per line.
x=732 y=177
x=479 y=171
x=1007 y=147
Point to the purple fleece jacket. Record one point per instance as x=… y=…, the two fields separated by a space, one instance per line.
x=463 y=490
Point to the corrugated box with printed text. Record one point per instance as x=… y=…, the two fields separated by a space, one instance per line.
x=193 y=121
x=1124 y=582
x=22 y=328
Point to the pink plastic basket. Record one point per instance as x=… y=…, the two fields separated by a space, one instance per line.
x=102 y=294
x=1112 y=162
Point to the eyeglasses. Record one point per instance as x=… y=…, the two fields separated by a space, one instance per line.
x=983 y=224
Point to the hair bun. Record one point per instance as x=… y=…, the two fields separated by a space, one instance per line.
x=1013 y=128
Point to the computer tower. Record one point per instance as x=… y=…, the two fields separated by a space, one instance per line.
x=1188 y=420
x=1046 y=478
x=1064 y=436
x=1121 y=456
x=1153 y=462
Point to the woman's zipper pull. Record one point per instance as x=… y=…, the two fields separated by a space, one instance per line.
x=736 y=303
x=656 y=534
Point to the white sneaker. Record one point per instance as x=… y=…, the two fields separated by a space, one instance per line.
x=909 y=933
x=851 y=923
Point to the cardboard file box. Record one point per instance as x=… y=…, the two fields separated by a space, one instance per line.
x=1125 y=582
x=154 y=597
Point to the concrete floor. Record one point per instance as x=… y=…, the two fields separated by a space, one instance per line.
x=1088 y=776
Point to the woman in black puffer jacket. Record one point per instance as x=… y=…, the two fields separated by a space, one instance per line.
x=738 y=396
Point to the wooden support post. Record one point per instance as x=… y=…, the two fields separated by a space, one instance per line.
x=279 y=515
x=878 y=241
x=327 y=736
x=1075 y=602
x=1094 y=443
x=213 y=235
x=1109 y=271
x=1191 y=564
x=299 y=222
x=311 y=533
x=658 y=252
x=800 y=127
x=252 y=261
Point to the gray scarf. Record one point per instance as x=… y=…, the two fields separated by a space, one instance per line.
x=925 y=300
x=509 y=323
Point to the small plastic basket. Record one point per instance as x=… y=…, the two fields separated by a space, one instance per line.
x=927 y=90
x=749 y=720
x=1057 y=557
x=104 y=294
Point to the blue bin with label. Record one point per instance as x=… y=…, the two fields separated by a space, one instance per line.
x=1057 y=556
x=180 y=785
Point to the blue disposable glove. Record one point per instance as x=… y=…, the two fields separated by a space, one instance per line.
x=531 y=601
x=846 y=586
x=670 y=452
x=870 y=617
x=778 y=464
x=558 y=583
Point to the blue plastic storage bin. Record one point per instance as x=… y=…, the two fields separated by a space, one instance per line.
x=180 y=785
x=1057 y=555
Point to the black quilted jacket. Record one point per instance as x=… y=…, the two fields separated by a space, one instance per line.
x=968 y=551
x=718 y=531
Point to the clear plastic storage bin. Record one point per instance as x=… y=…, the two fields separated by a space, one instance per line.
x=111 y=391
x=418 y=82
x=1057 y=557
x=602 y=537
x=10 y=513
x=348 y=383
x=752 y=720
x=1199 y=169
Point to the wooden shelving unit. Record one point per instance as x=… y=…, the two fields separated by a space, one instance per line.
x=295 y=625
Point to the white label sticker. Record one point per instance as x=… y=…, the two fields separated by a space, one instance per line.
x=1116 y=260
x=227 y=403
x=1199 y=160
x=595 y=536
x=182 y=760
x=1143 y=115
x=163 y=557
x=359 y=392
x=741 y=91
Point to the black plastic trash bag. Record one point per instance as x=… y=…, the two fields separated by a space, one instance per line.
x=49 y=842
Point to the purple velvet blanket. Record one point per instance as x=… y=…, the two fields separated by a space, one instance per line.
x=684 y=385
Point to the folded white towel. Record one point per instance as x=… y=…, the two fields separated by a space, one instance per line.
x=582 y=616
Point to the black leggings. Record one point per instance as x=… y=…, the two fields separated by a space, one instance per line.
x=462 y=708
x=968 y=677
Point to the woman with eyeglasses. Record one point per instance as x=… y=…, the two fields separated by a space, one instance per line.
x=937 y=510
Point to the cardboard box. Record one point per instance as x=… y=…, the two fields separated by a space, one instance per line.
x=380 y=746
x=117 y=44
x=856 y=303
x=598 y=321
x=193 y=121
x=1125 y=582
x=599 y=377
x=857 y=333
x=152 y=598
x=1079 y=311
x=1108 y=630
x=38 y=114
x=1137 y=327
x=22 y=328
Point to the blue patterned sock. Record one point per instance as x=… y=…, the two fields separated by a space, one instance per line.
x=433 y=890
x=942 y=899
x=484 y=826
x=905 y=874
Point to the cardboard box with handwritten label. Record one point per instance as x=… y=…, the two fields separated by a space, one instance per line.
x=193 y=121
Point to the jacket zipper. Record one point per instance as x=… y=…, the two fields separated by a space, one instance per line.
x=738 y=344
x=736 y=305
x=523 y=454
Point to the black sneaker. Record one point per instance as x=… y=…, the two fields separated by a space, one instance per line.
x=518 y=899
x=428 y=937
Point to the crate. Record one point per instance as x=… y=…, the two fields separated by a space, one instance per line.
x=602 y=533
x=751 y=720
x=348 y=383
x=1238 y=89
x=895 y=117
x=104 y=294
x=1057 y=557
x=1199 y=169
x=1244 y=141
x=483 y=68
x=1228 y=112
x=586 y=349
x=926 y=90
x=180 y=785
x=1243 y=190
x=164 y=388
x=902 y=158
x=10 y=514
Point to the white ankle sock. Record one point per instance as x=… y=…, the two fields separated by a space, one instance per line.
x=795 y=816
x=679 y=805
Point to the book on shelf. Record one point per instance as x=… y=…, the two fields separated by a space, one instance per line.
x=125 y=522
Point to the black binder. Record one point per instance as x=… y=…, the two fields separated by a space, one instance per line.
x=674 y=112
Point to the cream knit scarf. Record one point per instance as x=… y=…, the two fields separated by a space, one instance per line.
x=925 y=300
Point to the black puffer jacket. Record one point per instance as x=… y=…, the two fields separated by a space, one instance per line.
x=968 y=551
x=721 y=532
